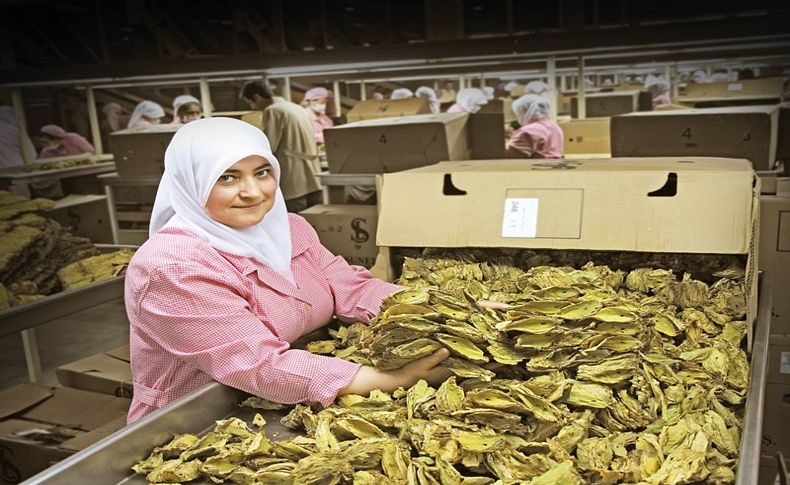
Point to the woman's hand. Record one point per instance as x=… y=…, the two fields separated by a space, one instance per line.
x=427 y=368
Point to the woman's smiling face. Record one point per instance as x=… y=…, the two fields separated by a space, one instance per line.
x=243 y=194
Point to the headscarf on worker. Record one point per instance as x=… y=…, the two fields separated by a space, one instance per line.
x=539 y=135
x=402 y=93
x=182 y=103
x=659 y=89
x=468 y=100
x=63 y=143
x=430 y=95
x=146 y=113
x=318 y=107
x=198 y=154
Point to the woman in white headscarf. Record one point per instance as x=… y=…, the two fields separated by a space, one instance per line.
x=228 y=279
x=469 y=100
x=539 y=135
x=186 y=108
x=146 y=113
x=430 y=95
x=402 y=93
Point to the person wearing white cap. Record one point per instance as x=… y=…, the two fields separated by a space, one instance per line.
x=228 y=280
x=468 y=100
x=489 y=92
x=699 y=76
x=539 y=135
x=658 y=88
x=186 y=108
x=430 y=95
x=402 y=93
x=146 y=113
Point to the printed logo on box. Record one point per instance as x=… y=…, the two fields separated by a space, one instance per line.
x=520 y=218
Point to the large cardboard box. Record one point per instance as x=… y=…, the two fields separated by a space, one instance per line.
x=31 y=410
x=775 y=256
x=487 y=134
x=610 y=103
x=771 y=86
x=590 y=135
x=389 y=145
x=737 y=132
x=769 y=470
x=778 y=359
x=374 y=109
x=107 y=372
x=141 y=151
x=677 y=205
x=86 y=215
x=776 y=432
x=346 y=230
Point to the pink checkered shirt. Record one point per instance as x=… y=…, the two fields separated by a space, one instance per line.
x=198 y=314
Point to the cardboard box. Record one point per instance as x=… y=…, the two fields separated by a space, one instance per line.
x=487 y=135
x=107 y=373
x=610 y=103
x=775 y=256
x=374 y=109
x=778 y=360
x=678 y=205
x=141 y=151
x=769 y=470
x=742 y=132
x=86 y=215
x=346 y=230
x=589 y=135
x=389 y=145
x=776 y=432
x=771 y=86
x=28 y=407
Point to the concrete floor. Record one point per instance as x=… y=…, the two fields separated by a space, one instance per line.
x=79 y=335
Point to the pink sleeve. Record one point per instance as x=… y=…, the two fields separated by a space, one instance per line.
x=358 y=295
x=80 y=144
x=318 y=128
x=200 y=318
x=520 y=145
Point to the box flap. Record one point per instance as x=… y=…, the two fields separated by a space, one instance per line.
x=121 y=353
x=79 y=409
x=83 y=440
x=17 y=398
x=340 y=209
x=444 y=118
x=387 y=108
x=9 y=427
x=691 y=205
x=612 y=94
x=728 y=110
x=742 y=87
x=102 y=365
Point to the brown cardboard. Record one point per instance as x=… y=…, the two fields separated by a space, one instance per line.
x=141 y=151
x=389 y=145
x=778 y=360
x=346 y=230
x=590 y=135
x=736 y=132
x=783 y=136
x=27 y=407
x=772 y=86
x=769 y=470
x=776 y=432
x=775 y=256
x=121 y=352
x=86 y=215
x=373 y=109
x=104 y=373
x=487 y=135
x=607 y=104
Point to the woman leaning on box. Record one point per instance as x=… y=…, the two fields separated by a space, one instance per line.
x=228 y=279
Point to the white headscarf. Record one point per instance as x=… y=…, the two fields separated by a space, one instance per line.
x=489 y=92
x=430 y=95
x=531 y=107
x=402 y=93
x=471 y=99
x=180 y=101
x=145 y=108
x=198 y=154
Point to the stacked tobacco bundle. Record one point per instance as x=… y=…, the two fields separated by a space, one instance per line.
x=590 y=376
x=35 y=251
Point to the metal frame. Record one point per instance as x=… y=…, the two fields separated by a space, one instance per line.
x=19 y=181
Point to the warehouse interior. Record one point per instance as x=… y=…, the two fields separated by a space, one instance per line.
x=588 y=199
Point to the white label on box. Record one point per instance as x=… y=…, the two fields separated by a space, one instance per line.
x=784 y=366
x=521 y=217
x=735 y=87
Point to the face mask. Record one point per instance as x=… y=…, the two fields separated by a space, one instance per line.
x=188 y=118
x=318 y=108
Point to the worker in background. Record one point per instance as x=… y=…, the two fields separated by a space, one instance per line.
x=488 y=91
x=402 y=93
x=228 y=280
x=317 y=105
x=658 y=88
x=15 y=146
x=146 y=113
x=539 y=136
x=469 y=100
x=290 y=131
x=60 y=143
x=539 y=88
x=430 y=95
x=115 y=118
x=186 y=108
x=699 y=76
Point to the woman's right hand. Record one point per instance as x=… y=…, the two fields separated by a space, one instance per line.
x=427 y=368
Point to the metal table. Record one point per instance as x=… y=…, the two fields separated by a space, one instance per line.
x=18 y=179
x=109 y=460
x=24 y=318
